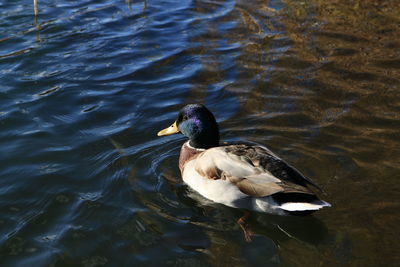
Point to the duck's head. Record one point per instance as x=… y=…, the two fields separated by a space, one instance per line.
x=197 y=123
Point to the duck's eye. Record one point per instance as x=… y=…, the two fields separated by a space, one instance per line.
x=185 y=117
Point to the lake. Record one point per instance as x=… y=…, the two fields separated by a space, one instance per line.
x=86 y=85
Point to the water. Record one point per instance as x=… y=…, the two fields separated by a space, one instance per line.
x=85 y=87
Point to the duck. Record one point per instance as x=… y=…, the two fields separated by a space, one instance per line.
x=242 y=175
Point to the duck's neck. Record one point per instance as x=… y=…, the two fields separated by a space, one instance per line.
x=203 y=144
x=205 y=140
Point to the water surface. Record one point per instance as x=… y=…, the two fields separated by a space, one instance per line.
x=86 y=85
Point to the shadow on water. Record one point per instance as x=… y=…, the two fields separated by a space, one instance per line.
x=271 y=233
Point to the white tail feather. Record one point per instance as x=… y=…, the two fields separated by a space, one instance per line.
x=302 y=206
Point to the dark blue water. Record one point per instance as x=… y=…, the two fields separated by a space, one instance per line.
x=86 y=85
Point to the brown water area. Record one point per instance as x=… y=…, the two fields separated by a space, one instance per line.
x=85 y=86
x=332 y=101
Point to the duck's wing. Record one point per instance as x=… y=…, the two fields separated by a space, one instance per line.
x=255 y=170
x=266 y=159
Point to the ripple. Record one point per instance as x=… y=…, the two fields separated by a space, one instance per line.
x=395 y=64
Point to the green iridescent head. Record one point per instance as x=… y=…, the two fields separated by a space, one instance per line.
x=197 y=123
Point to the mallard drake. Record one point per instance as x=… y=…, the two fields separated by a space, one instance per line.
x=245 y=176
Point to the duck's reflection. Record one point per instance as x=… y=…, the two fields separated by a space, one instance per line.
x=306 y=229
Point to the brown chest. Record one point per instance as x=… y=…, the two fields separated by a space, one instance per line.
x=187 y=153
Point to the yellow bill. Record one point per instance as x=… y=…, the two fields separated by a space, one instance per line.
x=173 y=129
